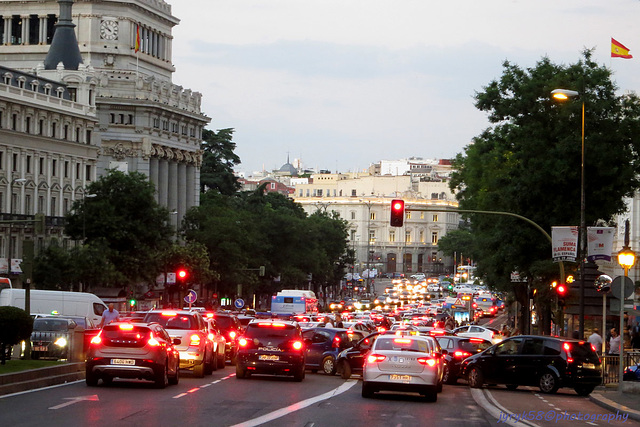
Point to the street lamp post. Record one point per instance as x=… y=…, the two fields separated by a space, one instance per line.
x=368 y=204
x=563 y=95
x=626 y=259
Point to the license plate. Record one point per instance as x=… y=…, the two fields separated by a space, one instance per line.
x=589 y=366
x=40 y=348
x=400 y=378
x=123 y=362
x=268 y=357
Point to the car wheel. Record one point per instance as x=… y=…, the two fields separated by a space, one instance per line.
x=345 y=370
x=447 y=378
x=241 y=373
x=220 y=361
x=234 y=359
x=162 y=378
x=329 y=365
x=548 y=383
x=213 y=362
x=512 y=386
x=299 y=375
x=439 y=387
x=91 y=379
x=584 y=390
x=174 y=380
x=367 y=391
x=476 y=379
x=198 y=370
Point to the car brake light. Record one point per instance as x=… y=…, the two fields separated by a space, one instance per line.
x=461 y=354
x=427 y=361
x=570 y=360
x=209 y=315
x=126 y=326
x=97 y=339
x=195 y=340
x=593 y=347
x=210 y=336
x=297 y=345
x=169 y=313
x=153 y=341
x=476 y=339
x=232 y=334
x=401 y=341
x=243 y=342
x=567 y=346
x=373 y=358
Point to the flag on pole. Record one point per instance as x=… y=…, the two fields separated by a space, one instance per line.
x=137 y=47
x=618 y=50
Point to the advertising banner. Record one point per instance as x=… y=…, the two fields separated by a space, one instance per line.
x=564 y=243
x=600 y=243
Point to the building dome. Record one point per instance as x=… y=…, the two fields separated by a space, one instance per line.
x=288 y=168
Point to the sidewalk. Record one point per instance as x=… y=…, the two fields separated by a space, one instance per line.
x=43 y=377
x=611 y=399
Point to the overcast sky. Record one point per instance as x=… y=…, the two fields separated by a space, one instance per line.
x=341 y=84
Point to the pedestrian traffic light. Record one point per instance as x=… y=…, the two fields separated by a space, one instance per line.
x=397 y=212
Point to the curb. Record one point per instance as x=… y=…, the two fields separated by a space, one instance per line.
x=611 y=405
x=43 y=377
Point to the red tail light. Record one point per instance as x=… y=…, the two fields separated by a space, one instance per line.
x=195 y=340
x=232 y=334
x=243 y=342
x=375 y=358
x=97 y=339
x=427 y=361
x=336 y=342
x=297 y=345
x=461 y=354
x=153 y=342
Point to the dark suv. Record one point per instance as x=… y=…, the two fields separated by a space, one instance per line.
x=231 y=328
x=324 y=344
x=546 y=362
x=458 y=349
x=271 y=347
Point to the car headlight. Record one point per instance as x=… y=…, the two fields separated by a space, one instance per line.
x=61 y=342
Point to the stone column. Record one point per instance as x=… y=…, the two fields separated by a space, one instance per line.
x=172 y=202
x=182 y=193
x=25 y=29
x=7 y=30
x=191 y=186
x=163 y=182
x=153 y=175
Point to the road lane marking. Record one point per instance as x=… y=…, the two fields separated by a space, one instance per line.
x=178 y=396
x=297 y=406
x=485 y=399
x=206 y=385
x=72 y=400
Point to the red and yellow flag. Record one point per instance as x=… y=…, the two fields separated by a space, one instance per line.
x=137 y=47
x=618 y=50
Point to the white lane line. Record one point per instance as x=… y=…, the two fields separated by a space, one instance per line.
x=216 y=382
x=39 y=389
x=205 y=386
x=297 y=406
x=499 y=412
x=178 y=396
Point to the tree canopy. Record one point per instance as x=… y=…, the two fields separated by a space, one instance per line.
x=529 y=161
x=218 y=162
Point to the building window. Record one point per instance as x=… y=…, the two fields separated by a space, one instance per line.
x=28 y=125
x=53 y=206
x=87 y=174
x=41 y=127
x=66 y=171
x=407 y=237
x=1 y=163
x=14 y=122
x=353 y=235
x=353 y=215
x=435 y=217
x=372 y=236
x=273 y=185
x=77 y=170
x=77 y=134
x=319 y=192
x=27 y=203
x=407 y=214
x=54 y=164
x=41 y=166
x=372 y=216
x=65 y=206
x=28 y=164
x=392 y=235
x=354 y=193
x=53 y=129
x=41 y=206
x=434 y=237
x=421 y=236
x=66 y=132
x=14 y=165
x=88 y=137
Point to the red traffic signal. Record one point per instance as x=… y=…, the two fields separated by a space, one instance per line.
x=397 y=212
x=182 y=274
x=562 y=290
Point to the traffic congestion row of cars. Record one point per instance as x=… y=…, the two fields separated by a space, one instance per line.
x=403 y=357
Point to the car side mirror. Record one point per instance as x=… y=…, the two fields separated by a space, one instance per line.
x=177 y=341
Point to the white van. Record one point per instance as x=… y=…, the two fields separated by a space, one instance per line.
x=56 y=302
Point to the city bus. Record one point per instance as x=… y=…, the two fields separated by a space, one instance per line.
x=292 y=301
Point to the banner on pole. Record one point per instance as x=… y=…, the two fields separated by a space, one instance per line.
x=564 y=243
x=600 y=243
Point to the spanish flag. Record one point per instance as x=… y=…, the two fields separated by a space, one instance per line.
x=618 y=50
x=137 y=46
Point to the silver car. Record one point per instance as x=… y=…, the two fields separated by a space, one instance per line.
x=409 y=363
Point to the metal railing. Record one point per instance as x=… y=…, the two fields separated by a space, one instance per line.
x=610 y=364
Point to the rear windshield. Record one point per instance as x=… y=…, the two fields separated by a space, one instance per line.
x=224 y=322
x=114 y=336
x=261 y=330
x=49 y=325
x=474 y=346
x=583 y=353
x=178 y=321
x=402 y=344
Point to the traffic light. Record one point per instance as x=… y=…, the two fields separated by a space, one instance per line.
x=561 y=290
x=132 y=303
x=182 y=275
x=397 y=212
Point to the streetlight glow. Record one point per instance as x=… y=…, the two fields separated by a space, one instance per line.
x=564 y=94
x=626 y=258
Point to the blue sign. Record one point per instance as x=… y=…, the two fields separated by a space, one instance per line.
x=191 y=297
x=239 y=303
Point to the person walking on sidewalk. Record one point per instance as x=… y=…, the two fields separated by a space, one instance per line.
x=109 y=316
x=596 y=340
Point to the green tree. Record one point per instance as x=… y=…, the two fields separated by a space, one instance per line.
x=218 y=162
x=15 y=326
x=528 y=163
x=126 y=222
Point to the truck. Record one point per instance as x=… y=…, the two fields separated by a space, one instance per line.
x=54 y=302
x=292 y=301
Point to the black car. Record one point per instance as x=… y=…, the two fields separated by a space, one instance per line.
x=322 y=346
x=351 y=360
x=271 y=347
x=231 y=328
x=546 y=362
x=458 y=349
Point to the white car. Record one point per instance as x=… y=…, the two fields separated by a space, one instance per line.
x=419 y=276
x=410 y=363
x=433 y=287
x=475 y=331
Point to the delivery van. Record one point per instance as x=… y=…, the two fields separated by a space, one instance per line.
x=56 y=302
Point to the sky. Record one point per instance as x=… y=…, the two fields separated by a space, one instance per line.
x=343 y=84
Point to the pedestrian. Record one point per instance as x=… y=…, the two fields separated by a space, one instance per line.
x=505 y=331
x=109 y=315
x=614 y=342
x=595 y=340
x=635 y=340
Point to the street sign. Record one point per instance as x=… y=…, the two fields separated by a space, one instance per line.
x=239 y=303
x=459 y=302
x=616 y=286
x=191 y=297
x=171 y=278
